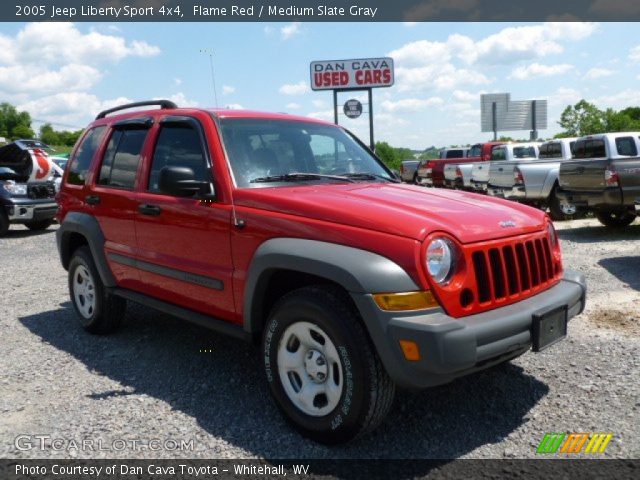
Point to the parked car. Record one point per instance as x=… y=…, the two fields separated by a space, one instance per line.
x=27 y=188
x=504 y=153
x=604 y=177
x=534 y=181
x=431 y=172
x=289 y=232
x=408 y=170
x=458 y=174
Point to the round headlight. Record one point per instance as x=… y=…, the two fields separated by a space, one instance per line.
x=440 y=253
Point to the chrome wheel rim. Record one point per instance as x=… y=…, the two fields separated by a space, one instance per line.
x=310 y=369
x=84 y=291
x=568 y=208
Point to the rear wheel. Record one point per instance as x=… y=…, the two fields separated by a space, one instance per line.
x=39 y=225
x=99 y=311
x=617 y=219
x=4 y=222
x=559 y=211
x=322 y=369
x=415 y=178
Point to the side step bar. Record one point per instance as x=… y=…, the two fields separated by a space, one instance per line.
x=211 y=323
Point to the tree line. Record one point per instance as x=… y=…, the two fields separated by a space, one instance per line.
x=15 y=125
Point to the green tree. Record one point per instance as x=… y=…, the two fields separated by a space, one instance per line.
x=388 y=155
x=11 y=119
x=22 y=131
x=583 y=118
x=48 y=135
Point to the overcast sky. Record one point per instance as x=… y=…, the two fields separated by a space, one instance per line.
x=66 y=73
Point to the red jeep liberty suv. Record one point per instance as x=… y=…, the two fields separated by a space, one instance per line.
x=288 y=231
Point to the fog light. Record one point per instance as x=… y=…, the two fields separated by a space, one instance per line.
x=396 y=302
x=410 y=350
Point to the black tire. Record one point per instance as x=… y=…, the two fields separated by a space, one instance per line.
x=361 y=408
x=108 y=310
x=4 y=222
x=555 y=209
x=619 y=219
x=415 y=178
x=39 y=225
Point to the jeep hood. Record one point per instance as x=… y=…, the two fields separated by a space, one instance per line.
x=399 y=209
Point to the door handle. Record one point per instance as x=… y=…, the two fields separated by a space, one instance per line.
x=152 y=210
x=92 y=199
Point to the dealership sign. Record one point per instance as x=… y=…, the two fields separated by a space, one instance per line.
x=355 y=74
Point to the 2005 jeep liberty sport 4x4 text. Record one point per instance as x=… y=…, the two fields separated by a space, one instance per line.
x=288 y=231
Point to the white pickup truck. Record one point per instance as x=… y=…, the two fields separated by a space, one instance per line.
x=501 y=155
x=534 y=181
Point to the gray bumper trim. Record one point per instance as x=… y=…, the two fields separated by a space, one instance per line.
x=453 y=347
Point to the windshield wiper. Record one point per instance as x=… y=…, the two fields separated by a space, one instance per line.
x=369 y=176
x=296 y=177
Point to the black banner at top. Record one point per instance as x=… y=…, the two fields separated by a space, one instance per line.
x=318 y=10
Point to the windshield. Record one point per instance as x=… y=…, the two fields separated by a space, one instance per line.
x=265 y=149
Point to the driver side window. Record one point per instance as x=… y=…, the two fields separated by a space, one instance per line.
x=178 y=145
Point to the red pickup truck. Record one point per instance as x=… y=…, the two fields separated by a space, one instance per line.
x=431 y=172
x=289 y=232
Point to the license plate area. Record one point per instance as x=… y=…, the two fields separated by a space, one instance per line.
x=548 y=327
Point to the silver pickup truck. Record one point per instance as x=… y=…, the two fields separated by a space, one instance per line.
x=408 y=170
x=501 y=155
x=534 y=181
x=458 y=176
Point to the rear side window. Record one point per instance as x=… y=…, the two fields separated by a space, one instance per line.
x=550 y=150
x=121 y=160
x=81 y=161
x=498 y=154
x=475 y=151
x=524 y=152
x=626 y=146
x=455 y=154
x=590 y=149
x=178 y=145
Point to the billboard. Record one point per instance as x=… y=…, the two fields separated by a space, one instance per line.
x=511 y=115
x=359 y=73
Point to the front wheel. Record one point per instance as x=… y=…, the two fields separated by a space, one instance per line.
x=4 y=222
x=39 y=225
x=322 y=369
x=617 y=219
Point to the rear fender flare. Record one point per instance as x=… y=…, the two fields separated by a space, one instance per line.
x=87 y=226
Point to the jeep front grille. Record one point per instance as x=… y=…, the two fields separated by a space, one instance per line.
x=512 y=270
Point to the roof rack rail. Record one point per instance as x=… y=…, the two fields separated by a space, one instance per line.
x=162 y=103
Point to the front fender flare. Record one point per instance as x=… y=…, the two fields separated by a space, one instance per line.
x=356 y=270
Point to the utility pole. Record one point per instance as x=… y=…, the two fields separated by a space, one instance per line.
x=209 y=52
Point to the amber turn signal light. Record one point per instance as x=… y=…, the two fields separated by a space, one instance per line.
x=410 y=350
x=397 y=302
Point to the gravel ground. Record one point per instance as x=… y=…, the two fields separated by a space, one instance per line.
x=159 y=378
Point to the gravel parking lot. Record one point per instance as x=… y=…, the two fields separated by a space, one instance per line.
x=159 y=378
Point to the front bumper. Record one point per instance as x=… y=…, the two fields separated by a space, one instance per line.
x=516 y=192
x=28 y=210
x=454 y=347
x=608 y=199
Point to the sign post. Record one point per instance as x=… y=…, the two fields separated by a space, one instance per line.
x=362 y=74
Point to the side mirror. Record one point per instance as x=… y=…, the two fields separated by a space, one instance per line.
x=8 y=174
x=181 y=182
